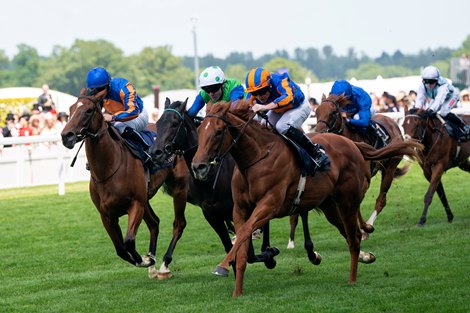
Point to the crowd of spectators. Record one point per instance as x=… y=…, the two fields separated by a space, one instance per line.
x=41 y=120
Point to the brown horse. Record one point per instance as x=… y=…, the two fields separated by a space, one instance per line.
x=117 y=184
x=441 y=152
x=329 y=119
x=266 y=179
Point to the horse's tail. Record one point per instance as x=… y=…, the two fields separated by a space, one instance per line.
x=394 y=149
x=401 y=171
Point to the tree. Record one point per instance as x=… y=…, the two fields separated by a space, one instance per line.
x=296 y=71
x=237 y=71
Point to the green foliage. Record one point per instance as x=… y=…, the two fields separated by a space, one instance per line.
x=296 y=71
x=236 y=71
x=57 y=257
x=372 y=70
x=465 y=49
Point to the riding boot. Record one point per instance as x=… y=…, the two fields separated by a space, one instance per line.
x=457 y=120
x=314 y=150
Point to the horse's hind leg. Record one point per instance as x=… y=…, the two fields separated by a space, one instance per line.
x=153 y=224
x=294 y=220
x=114 y=232
x=442 y=195
x=434 y=176
x=313 y=256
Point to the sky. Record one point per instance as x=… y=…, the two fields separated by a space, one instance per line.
x=370 y=27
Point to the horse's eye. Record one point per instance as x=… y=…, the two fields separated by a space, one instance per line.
x=218 y=133
x=89 y=111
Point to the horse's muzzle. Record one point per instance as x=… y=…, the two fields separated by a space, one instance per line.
x=200 y=170
x=69 y=140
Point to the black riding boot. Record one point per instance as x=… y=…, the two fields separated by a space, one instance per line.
x=460 y=124
x=313 y=149
x=378 y=132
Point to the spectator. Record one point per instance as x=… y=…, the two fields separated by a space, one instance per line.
x=35 y=123
x=375 y=107
x=412 y=97
x=50 y=127
x=403 y=101
x=45 y=97
x=25 y=129
x=465 y=99
x=390 y=102
x=62 y=118
x=313 y=106
x=10 y=129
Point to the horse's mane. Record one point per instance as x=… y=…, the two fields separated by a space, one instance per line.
x=341 y=100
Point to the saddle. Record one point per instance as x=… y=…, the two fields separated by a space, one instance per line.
x=375 y=133
x=456 y=131
x=307 y=165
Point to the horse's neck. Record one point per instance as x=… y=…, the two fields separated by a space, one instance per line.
x=252 y=146
x=191 y=142
x=104 y=155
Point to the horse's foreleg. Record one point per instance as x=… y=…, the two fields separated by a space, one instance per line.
x=114 y=232
x=135 y=215
x=153 y=224
x=294 y=220
x=241 y=262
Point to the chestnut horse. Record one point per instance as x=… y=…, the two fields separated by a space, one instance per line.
x=118 y=185
x=267 y=176
x=441 y=152
x=177 y=135
x=329 y=119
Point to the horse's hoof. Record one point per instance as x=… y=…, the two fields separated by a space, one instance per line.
x=273 y=250
x=419 y=225
x=153 y=273
x=290 y=244
x=365 y=236
x=270 y=264
x=366 y=257
x=317 y=260
x=368 y=228
x=163 y=275
x=220 y=271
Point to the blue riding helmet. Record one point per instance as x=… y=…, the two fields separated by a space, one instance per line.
x=340 y=87
x=97 y=77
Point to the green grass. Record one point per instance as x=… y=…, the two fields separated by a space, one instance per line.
x=55 y=256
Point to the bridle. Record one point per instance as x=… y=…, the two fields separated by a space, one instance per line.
x=420 y=128
x=332 y=127
x=85 y=130
x=169 y=148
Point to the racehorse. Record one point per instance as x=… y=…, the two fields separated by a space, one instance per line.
x=329 y=119
x=441 y=152
x=177 y=135
x=117 y=183
x=267 y=176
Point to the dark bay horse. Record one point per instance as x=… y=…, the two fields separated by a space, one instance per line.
x=441 y=152
x=117 y=184
x=177 y=135
x=329 y=119
x=266 y=179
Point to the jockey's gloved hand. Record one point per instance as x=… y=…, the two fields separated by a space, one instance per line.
x=263 y=114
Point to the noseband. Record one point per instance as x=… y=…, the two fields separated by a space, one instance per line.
x=422 y=129
x=85 y=131
x=170 y=147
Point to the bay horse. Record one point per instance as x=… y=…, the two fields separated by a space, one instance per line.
x=441 y=152
x=266 y=179
x=177 y=135
x=329 y=119
x=117 y=184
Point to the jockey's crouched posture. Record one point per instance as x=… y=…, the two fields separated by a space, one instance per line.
x=360 y=104
x=441 y=96
x=287 y=106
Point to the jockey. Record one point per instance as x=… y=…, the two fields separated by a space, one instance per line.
x=288 y=108
x=442 y=97
x=122 y=104
x=215 y=87
x=360 y=104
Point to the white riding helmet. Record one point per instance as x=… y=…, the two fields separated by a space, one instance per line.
x=211 y=76
x=431 y=72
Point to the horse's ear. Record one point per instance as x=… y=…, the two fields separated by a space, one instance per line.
x=182 y=105
x=167 y=102
x=323 y=97
x=100 y=95
x=83 y=91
